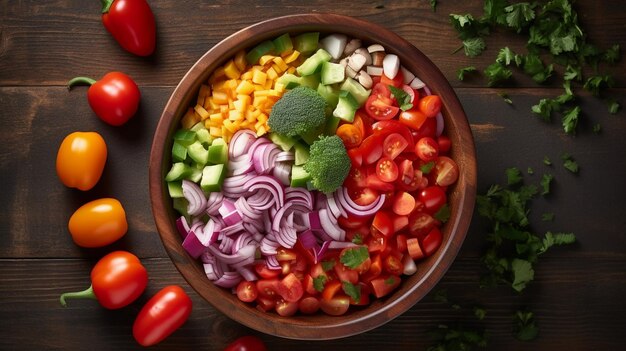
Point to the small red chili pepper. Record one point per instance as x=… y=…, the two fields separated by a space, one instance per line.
x=162 y=315
x=117 y=280
x=131 y=22
x=114 y=98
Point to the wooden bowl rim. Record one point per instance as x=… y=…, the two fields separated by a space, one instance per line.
x=317 y=327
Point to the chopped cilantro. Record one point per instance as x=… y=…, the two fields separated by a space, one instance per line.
x=319 y=282
x=497 y=73
x=569 y=163
x=546 y=161
x=595 y=84
x=613 y=106
x=530 y=171
x=506 y=98
x=465 y=70
x=523 y=273
x=328 y=265
x=534 y=67
x=457 y=338
x=545 y=183
x=474 y=46
x=545 y=107
x=354 y=257
x=525 y=328
x=505 y=56
x=433 y=5
x=404 y=99
x=570 y=120
x=513 y=176
x=480 y=313
x=612 y=55
x=391 y=280
x=520 y=15
x=427 y=167
x=573 y=73
x=354 y=291
x=547 y=217
x=597 y=128
x=358 y=239
x=443 y=214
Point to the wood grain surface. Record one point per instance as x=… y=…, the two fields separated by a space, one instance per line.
x=577 y=294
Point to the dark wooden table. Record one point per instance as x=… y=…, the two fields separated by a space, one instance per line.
x=578 y=292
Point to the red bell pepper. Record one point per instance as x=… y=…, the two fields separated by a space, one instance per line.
x=162 y=315
x=131 y=22
x=117 y=280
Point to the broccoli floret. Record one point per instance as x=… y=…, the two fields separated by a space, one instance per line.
x=328 y=163
x=300 y=111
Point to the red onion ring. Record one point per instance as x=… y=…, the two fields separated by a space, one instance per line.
x=195 y=196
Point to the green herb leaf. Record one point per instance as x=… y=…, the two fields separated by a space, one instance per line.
x=391 y=280
x=530 y=171
x=427 y=167
x=328 y=265
x=465 y=70
x=570 y=120
x=558 y=239
x=613 y=106
x=474 y=46
x=443 y=214
x=505 y=56
x=597 y=128
x=433 y=5
x=547 y=217
x=480 y=313
x=497 y=73
x=544 y=108
x=513 y=176
x=523 y=273
x=534 y=67
x=573 y=73
x=494 y=11
x=569 y=163
x=596 y=84
x=467 y=26
x=519 y=15
x=545 y=183
x=506 y=98
x=546 y=161
x=354 y=291
x=612 y=55
x=403 y=98
x=525 y=328
x=319 y=282
x=353 y=257
x=358 y=239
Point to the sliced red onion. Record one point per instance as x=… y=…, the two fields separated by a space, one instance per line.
x=308 y=239
x=240 y=166
x=330 y=226
x=409 y=265
x=207 y=257
x=195 y=196
x=319 y=254
x=357 y=210
x=334 y=207
x=285 y=156
x=341 y=245
x=260 y=141
x=232 y=229
x=196 y=226
x=240 y=241
x=213 y=271
x=247 y=274
x=226 y=244
x=268 y=183
x=227 y=207
x=314 y=221
x=239 y=256
x=426 y=90
x=182 y=226
x=272 y=263
x=228 y=280
x=299 y=195
x=261 y=158
x=193 y=246
x=440 y=124
x=282 y=172
x=269 y=245
x=240 y=143
x=246 y=211
x=287 y=237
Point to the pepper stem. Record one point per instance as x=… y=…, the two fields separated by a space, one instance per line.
x=85 y=294
x=106 y=5
x=81 y=81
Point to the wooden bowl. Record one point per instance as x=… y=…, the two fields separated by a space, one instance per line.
x=461 y=195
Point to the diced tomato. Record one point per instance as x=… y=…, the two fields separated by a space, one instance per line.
x=403 y=204
x=376 y=267
x=394 y=145
x=430 y=105
x=283 y=254
x=420 y=223
x=380 y=108
x=352 y=222
x=372 y=148
x=308 y=286
x=265 y=304
x=331 y=289
x=401 y=244
x=318 y=270
x=384 y=285
x=286 y=308
x=427 y=149
x=432 y=241
x=446 y=171
x=336 y=306
x=413 y=118
x=396 y=81
x=309 y=305
x=264 y=272
x=267 y=288
x=428 y=129
x=364 y=197
x=307 y=254
x=382 y=223
x=444 y=144
x=362 y=233
x=400 y=222
x=351 y=135
x=356 y=178
x=406 y=171
x=246 y=291
x=365 y=292
x=393 y=265
x=386 y=128
x=376 y=243
x=433 y=197
x=290 y=288
x=374 y=182
x=386 y=170
x=346 y=274
x=356 y=157
x=417 y=182
x=414 y=249
x=381 y=89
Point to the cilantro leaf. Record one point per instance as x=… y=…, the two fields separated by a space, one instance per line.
x=596 y=84
x=480 y=313
x=474 y=46
x=497 y=73
x=613 y=106
x=319 y=282
x=597 y=128
x=570 y=120
x=353 y=257
x=523 y=273
x=546 y=161
x=358 y=239
x=403 y=98
x=505 y=56
x=467 y=26
x=463 y=71
x=354 y=291
x=547 y=217
x=545 y=107
x=525 y=328
x=513 y=176
x=448 y=338
x=506 y=98
x=328 y=265
x=433 y=5
x=569 y=163
x=494 y=11
x=534 y=67
x=545 y=183
x=443 y=214
x=427 y=167
x=392 y=280
x=520 y=15
x=551 y=239
x=573 y=73
x=612 y=55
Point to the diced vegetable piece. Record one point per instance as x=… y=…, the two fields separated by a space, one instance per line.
x=283 y=44
x=332 y=73
x=330 y=93
x=289 y=80
x=175 y=189
x=334 y=44
x=179 y=152
x=198 y=153
x=307 y=42
x=301 y=154
x=179 y=171
x=299 y=177
x=359 y=93
x=391 y=65
x=285 y=142
x=311 y=81
x=204 y=136
x=218 y=152
x=331 y=125
x=196 y=173
x=213 y=177
x=255 y=54
x=184 y=137
x=180 y=204
x=346 y=107
x=313 y=63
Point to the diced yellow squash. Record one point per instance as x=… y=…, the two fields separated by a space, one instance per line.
x=291 y=70
x=259 y=77
x=265 y=59
x=215 y=131
x=235 y=115
x=202 y=112
x=231 y=71
x=217 y=75
x=292 y=57
x=220 y=98
x=244 y=88
x=190 y=119
x=240 y=60
x=271 y=73
x=261 y=131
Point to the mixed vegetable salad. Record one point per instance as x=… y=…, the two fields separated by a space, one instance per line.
x=312 y=173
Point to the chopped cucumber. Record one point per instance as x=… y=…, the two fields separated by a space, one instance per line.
x=179 y=152
x=359 y=93
x=331 y=125
x=307 y=42
x=313 y=63
x=185 y=137
x=255 y=54
x=311 y=81
x=196 y=127
x=283 y=44
x=196 y=174
x=330 y=94
x=212 y=178
x=218 y=152
x=313 y=135
x=284 y=142
x=175 y=189
x=179 y=171
x=181 y=204
x=198 y=153
x=301 y=154
x=204 y=137
x=299 y=177
x=289 y=80
x=332 y=73
x=346 y=107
